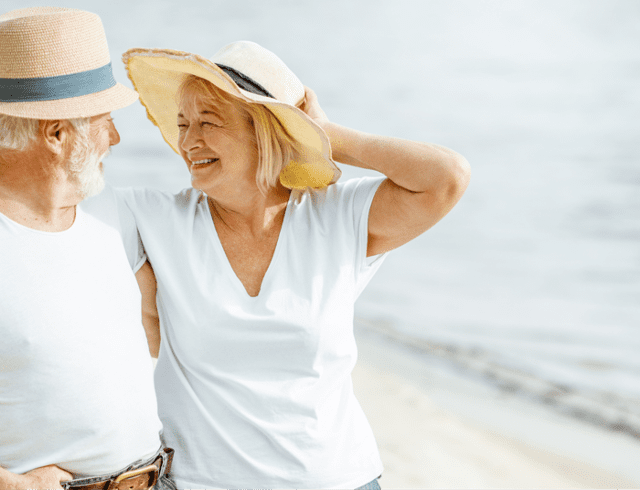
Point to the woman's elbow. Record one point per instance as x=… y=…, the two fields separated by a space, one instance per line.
x=462 y=173
x=458 y=179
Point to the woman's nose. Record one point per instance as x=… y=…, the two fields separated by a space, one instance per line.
x=191 y=138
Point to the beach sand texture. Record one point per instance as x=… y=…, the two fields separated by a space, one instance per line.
x=424 y=445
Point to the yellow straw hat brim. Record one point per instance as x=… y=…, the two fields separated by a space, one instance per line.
x=157 y=74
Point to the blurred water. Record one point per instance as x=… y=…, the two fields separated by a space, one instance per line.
x=538 y=268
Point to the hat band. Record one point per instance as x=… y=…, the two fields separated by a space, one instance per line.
x=58 y=87
x=245 y=82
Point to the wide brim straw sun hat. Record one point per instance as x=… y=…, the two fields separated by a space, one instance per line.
x=55 y=64
x=245 y=70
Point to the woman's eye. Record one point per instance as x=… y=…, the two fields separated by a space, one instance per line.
x=182 y=127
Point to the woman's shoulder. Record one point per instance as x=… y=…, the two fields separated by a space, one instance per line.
x=157 y=199
x=340 y=193
x=358 y=185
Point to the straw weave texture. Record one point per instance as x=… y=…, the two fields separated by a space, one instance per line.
x=51 y=44
x=157 y=73
x=42 y=42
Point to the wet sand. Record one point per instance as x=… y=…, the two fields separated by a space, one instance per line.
x=428 y=441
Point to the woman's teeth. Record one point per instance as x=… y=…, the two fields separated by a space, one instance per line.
x=208 y=160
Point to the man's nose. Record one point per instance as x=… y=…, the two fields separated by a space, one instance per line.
x=114 y=136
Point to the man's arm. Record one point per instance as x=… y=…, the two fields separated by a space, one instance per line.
x=46 y=477
x=147 y=283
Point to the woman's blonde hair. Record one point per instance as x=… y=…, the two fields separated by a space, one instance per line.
x=276 y=147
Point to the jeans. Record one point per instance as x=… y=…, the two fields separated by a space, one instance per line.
x=372 y=485
x=166 y=483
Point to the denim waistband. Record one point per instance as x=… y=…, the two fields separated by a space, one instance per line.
x=372 y=485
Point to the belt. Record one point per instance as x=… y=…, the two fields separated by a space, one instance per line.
x=140 y=475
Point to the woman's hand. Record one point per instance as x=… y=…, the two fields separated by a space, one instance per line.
x=311 y=107
x=424 y=181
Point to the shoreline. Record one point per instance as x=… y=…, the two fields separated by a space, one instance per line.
x=440 y=428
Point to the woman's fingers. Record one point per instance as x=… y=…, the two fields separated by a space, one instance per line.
x=312 y=108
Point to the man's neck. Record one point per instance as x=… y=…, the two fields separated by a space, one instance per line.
x=36 y=192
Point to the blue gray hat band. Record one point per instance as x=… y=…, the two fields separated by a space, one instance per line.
x=58 y=87
x=245 y=82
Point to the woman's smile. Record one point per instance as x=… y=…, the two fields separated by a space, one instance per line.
x=217 y=142
x=203 y=164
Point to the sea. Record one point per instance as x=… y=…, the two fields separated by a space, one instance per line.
x=532 y=282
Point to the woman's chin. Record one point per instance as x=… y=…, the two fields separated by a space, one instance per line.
x=204 y=186
x=197 y=183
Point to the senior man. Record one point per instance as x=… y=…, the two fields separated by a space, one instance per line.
x=76 y=380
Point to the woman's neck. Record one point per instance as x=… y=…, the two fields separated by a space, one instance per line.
x=251 y=212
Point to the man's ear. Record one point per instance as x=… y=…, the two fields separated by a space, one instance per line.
x=56 y=134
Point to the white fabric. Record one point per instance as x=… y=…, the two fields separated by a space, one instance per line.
x=76 y=379
x=256 y=391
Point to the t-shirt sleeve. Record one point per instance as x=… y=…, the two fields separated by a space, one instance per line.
x=130 y=235
x=360 y=194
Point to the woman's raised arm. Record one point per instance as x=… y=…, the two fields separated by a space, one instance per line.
x=424 y=181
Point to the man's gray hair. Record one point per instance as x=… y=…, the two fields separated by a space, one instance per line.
x=17 y=133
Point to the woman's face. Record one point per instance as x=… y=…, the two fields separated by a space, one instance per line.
x=217 y=141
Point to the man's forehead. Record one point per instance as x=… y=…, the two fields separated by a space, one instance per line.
x=101 y=117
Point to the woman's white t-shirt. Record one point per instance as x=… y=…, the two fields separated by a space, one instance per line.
x=256 y=391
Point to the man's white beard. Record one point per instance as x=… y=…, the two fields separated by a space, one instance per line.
x=84 y=165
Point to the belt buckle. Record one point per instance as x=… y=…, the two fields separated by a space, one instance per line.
x=152 y=470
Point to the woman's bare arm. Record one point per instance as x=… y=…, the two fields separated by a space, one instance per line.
x=150 y=320
x=424 y=181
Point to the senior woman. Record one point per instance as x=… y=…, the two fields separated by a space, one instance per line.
x=259 y=264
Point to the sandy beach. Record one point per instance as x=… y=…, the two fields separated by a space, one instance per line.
x=430 y=435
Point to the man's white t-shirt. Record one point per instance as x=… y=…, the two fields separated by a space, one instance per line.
x=76 y=379
x=256 y=391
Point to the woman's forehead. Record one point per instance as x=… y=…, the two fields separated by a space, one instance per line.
x=197 y=101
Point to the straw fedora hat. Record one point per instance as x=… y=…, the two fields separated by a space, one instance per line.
x=55 y=64
x=248 y=71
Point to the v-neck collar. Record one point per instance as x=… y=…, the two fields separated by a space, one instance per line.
x=229 y=269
